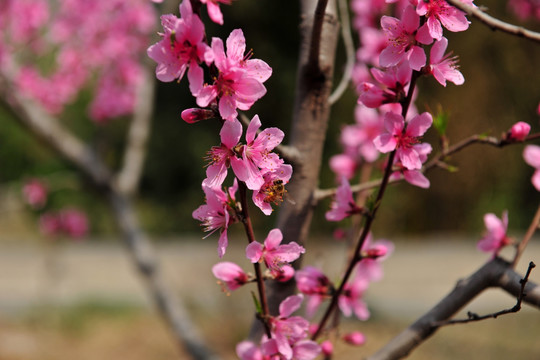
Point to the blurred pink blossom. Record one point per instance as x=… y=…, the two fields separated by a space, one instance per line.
x=35 y=193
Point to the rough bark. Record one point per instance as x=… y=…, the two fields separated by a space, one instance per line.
x=310 y=119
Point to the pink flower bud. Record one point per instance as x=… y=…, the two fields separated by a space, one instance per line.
x=194 y=115
x=355 y=338
x=519 y=131
x=327 y=348
x=231 y=274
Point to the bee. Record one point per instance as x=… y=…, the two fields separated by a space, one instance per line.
x=275 y=192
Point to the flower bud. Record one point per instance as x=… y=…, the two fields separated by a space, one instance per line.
x=327 y=348
x=355 y=338
x=194 y=115
x=519 y=131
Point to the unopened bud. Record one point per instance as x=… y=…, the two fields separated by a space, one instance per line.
x=519 y=131
x=355 y=338
x=194 y=115
x=327 y=348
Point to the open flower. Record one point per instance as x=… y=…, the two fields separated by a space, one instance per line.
x=495 y=237
x=403 y=38
x=444 y=67
x=182 y=46
x=231 y=274
x=273 y=253
x=214 y=215
x=238 y=84
x=343 y=205
x=440 y=12
x=402 y=139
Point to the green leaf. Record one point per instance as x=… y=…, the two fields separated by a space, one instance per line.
x=258 y=306
x=440 y=121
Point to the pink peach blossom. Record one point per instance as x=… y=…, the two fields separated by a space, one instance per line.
x=519 y=131
x=273 y=253
x=231 y=274
x=440 y=12
x=444 y=67
x=344 y=204
x=401 y=138
x=403 y=36
x=495 y=237
x=531 y=154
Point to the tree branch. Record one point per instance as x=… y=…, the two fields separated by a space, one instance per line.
x=495 y=273
x=472 y=317
x=349 y=51
x=494 y=23
x=129 y=175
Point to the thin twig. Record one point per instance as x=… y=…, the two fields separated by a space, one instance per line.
x=495 y=273
x=494 y=23
x=349 y=51
x=246 y=221
x=137 y=137
x=369 y=218
x=436 y=161
x=523 y=244
x=472 y=317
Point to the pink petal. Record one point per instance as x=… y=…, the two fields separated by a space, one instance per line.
x=206 y=95
x=236 y=45
x=195 y=77
x=290 y=305
x=531 y=154
x=230 y=133
x=273 y=239
x=253 y=126
x=214 y=12
x=416 y=178
x=409 y=158
x=417 y=58
x=306 y=350
x=254 y=251
x=437 y=51
x=227 y=108
x=385 y=143
x=222 y=243
x=419 y=124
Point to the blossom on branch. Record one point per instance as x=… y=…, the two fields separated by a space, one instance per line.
x=344 y=204
x=182 y=46
x=274 y=255
x=218 y=213
x=444 y=67
x=440 y=12
x=257 y=154
x=495 y=237
x=401 y=136
x=403 y=38
x=231 y=274
x=239 y=81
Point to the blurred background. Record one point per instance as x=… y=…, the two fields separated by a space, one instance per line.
x=60 y=298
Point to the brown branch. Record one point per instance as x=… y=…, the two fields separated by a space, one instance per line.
x=494 y=23
x=309 y=124
x=530 y=232
x=129 y=175
x=248 y=227
x=495 y=273
x=436 y=161
x=315 y=44
x=349 y=52
x=472 y=317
